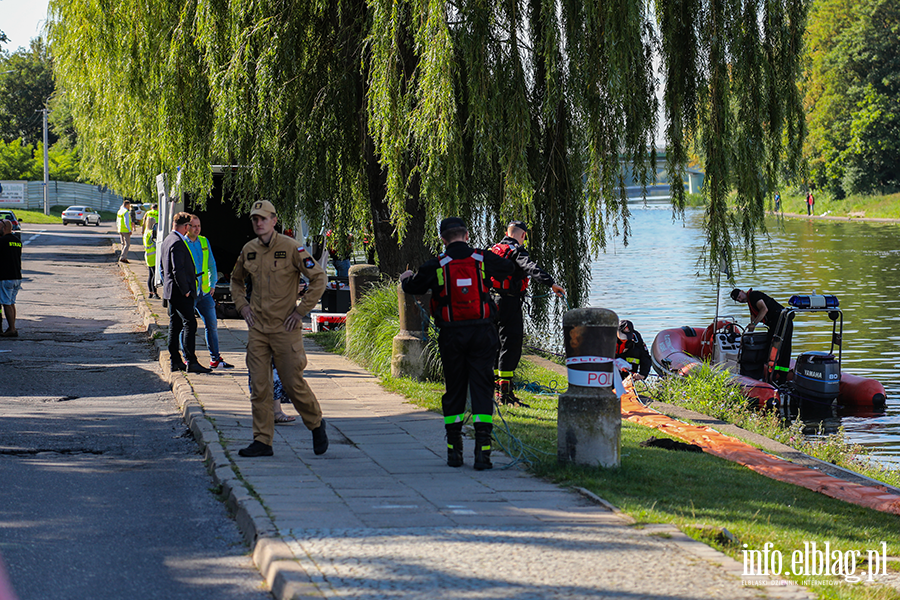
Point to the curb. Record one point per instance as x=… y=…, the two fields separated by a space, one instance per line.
x=286 y=578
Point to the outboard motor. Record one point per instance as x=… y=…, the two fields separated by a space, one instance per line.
x=817 y=377
x=752 y=358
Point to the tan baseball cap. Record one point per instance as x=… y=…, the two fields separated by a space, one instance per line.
x=262 y=207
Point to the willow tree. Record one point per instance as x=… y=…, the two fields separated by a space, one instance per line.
x=386 y=115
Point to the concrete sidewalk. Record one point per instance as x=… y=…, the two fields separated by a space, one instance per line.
x=380 y=515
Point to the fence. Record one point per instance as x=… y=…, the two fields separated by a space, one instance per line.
x=29 y=195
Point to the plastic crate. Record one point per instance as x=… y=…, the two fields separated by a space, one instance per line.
x=327 y=321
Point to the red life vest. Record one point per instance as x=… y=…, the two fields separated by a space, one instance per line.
x=504 y=250
x=463 y=295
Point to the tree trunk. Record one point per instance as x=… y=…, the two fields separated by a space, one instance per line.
x=394 y=257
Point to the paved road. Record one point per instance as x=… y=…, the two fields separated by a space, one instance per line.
x=103 y=493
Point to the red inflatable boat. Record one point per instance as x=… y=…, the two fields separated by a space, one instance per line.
x=678 y=351
x=820 y=379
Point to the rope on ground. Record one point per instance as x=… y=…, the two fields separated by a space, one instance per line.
x=516 y=449
x=538 y=389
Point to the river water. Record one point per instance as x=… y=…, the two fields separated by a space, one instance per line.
x=657 y=282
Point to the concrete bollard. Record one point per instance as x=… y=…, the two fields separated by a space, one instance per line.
x=362 y=278
x=408 y=350
x=589 y=422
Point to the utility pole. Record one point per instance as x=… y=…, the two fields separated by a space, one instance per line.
x=45 y=111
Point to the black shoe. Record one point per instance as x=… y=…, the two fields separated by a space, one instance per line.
x=320 y=438
x=179 y=366
x=510 y=399
x=507 y=396
x=454 y=445
x=483 y=446
x=197 y=368
x=256 y=449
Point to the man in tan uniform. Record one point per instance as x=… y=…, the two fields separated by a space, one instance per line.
x=274 y=263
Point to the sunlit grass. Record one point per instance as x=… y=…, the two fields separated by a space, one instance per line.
x=660 y=486
x=877 y=207
x=711 y=392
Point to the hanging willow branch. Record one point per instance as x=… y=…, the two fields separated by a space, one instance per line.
x=384 y=116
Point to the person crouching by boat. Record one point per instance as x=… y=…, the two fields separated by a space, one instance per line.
x=630 y=347
x=763 y=309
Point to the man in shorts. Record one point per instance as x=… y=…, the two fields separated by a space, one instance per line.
x=10 y=276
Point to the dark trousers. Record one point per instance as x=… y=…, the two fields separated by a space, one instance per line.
x=511 y=331
x=784 y=357
x=151 y=279
x=183 y=323
x=467 y=354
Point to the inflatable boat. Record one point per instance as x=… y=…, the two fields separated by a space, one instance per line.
x=814 y=377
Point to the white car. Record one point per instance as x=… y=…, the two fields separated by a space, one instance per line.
x=139 y=210
x=84 y=215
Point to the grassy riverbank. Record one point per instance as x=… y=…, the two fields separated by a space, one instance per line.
x=710 y=392
x=868 y=207
x=689 y=490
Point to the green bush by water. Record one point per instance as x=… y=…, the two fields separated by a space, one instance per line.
x=371 y=327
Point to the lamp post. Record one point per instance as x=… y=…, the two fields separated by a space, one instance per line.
x=46 y=167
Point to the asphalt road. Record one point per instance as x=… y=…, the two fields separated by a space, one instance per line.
x=103 y=494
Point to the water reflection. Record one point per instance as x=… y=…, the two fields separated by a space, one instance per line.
x=658 y=283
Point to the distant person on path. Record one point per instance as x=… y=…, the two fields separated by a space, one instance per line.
x=763 y=309
x=124 y=226
x=149 y=239
x=510 y=293
x=275 y=263
x=179 y=279
x=340 y=259
x=10 y=276
x=777 y=202
x=810 y=203
x=463 y=310
x=630 y=347
x=207 y=276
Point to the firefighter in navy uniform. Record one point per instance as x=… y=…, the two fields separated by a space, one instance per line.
x=459 y=280
x=510 y=292
x=630 y=347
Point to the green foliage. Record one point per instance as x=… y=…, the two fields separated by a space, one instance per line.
x=20 y=161
x=853 y=95
x=26 y=84
x=371 y=327
x=383 y=116
x=17 y=161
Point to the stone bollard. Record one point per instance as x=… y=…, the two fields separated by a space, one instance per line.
x=362 y=278
x=408 y=350
x=589 y=422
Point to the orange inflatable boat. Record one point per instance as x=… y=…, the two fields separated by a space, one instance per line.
x=814 y=377
x=678 y=351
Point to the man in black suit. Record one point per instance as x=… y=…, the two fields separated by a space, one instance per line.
x=179 y=279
